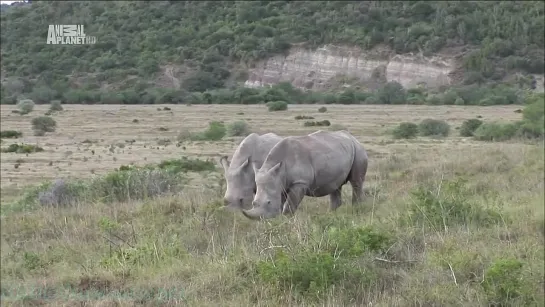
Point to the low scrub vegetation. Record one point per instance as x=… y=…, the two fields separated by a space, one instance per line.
x=321 y=123
x=277 y=106
x=128 y=183
x=22 y=148
x=216 y=131
x=238 y=128
x=298 y=117
x=405 y=131
x=433 y=127
x=469 y=126
x=25 y=106
x=10 y=134
x=43 y=124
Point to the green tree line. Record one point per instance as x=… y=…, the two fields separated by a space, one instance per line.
x=210 y=38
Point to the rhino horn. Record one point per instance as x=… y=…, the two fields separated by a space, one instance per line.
x=258 y=213
x=254 y=213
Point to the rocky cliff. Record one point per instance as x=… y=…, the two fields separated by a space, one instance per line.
x=342 y=66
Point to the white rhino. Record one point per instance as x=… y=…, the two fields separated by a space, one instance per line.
x=315 y=165
x=239 y=173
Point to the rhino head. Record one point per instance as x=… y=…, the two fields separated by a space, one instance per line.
x=240 y=184
x=268 y=199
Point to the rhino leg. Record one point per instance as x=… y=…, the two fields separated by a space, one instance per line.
x=335 y=199
x=357 y=178
x=294 y=198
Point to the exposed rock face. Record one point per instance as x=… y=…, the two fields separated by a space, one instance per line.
x=315 y=69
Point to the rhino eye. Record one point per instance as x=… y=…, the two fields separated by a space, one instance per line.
x=255 y=190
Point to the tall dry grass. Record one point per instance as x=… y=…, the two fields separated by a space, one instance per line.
x=486 y=246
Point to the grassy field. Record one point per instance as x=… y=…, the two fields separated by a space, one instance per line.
x=446 y=221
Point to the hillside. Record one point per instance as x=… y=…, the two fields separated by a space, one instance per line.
x=163 y=51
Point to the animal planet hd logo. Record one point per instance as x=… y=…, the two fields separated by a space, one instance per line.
x=68 y=35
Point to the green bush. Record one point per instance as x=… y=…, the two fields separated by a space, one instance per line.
x=25 y=106
x=186 y=165
x=277 y=106
x=215 y=132
x=127 y=183
x=10 y=134
x=322 y=109
x=433 y=127
x=495 y=132
x=504 y=282
x=55 y=106
x=355 y=241
x=469 y=126
x=23 y=148
x=405 y=130
x=298 y=117
x=449 y=206
x=238 y=128
x=43 y=124
x=533 y=117
x=305 y=273
x=322 y=123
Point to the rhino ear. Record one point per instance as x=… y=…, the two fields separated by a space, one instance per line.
x=224 y=162
x=275 y=169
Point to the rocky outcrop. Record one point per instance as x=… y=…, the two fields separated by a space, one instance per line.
x=332 y=65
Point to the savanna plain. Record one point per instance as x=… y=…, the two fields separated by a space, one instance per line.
x=446 y=221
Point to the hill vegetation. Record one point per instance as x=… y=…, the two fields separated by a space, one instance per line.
x=213 y=42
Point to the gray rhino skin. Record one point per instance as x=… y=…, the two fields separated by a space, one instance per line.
x=239 y=173
x=315 y=165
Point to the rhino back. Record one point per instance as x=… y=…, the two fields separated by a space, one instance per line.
x=317 y=158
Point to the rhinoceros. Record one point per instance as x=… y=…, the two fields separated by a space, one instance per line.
x=315 y=165
x=239 y=173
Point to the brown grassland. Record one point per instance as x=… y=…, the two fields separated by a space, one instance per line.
x=485 y=249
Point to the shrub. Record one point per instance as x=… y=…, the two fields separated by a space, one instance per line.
x=127 y=183
x=25 y=106
x=23 y=148
x=310 y=273
x=55 y=106
x=322 y=109
x=355 y=241
x=495 y=132
x=10 y=134
x=322 y=123
x=448 y=207
x=238 y=128
x=43 y=124
x=433 y=127
x=215 y=132
x=187 y=165
x=405 y=130
x=277 y=106
x=469 y=126
x=503 y=282
x=303 y=117
x=533 y=118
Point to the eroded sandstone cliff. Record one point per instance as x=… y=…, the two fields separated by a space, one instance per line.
x=338 y=65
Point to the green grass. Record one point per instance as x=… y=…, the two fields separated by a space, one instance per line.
x=456 y=226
